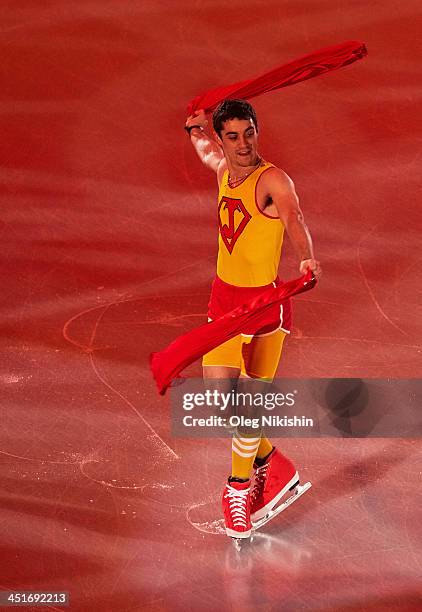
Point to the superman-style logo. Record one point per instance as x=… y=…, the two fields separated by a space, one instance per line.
x=238 y=218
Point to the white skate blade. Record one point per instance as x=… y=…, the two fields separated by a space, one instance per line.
x=237 y=543
x=299 y=490
x=240 y=543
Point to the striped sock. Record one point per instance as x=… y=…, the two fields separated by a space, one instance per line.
x=244 y=450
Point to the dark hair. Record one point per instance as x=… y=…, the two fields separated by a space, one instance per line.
x=232 y=109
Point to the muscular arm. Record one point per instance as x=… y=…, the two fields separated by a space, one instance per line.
x=208 y=150
x=282 y=192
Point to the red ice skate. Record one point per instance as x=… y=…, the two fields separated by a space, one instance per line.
x=272 y=480
x=236 y=508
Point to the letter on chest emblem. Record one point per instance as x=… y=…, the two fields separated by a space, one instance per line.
x=238 y=218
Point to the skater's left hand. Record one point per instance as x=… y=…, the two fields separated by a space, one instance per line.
x=311 y=264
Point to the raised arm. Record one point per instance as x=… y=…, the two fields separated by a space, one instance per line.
x=281 y=189
x=208 y=150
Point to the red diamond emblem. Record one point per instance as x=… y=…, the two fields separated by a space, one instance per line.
x=237 y=222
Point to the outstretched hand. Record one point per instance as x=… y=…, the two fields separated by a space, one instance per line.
x=311 y=264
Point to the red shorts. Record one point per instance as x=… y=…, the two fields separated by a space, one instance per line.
x=225 y=297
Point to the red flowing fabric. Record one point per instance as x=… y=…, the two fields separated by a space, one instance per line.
x=168 y=363
x=301 y=69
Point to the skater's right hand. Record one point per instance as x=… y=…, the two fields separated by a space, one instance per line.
x=198 y=118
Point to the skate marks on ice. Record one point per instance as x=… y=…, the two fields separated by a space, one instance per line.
x=89 y=348
x=196 y=515
x=155 y=481
x=69 y=458
x=119 y=464
x=102 y=471
x=367 y=284
x=93 y=461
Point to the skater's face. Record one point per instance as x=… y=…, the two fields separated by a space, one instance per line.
x=239 y=139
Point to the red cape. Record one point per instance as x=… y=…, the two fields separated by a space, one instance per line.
x=301 y=69
x=168 y=363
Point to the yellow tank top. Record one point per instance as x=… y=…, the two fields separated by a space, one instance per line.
x=249 y=242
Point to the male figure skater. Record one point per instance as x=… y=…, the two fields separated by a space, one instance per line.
x=257 y=202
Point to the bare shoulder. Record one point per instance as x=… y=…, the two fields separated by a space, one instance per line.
x=275 y=179
x=276 y=193
x=222 y=167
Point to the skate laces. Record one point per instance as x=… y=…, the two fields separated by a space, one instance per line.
x=237 y=504
x=260 y=478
